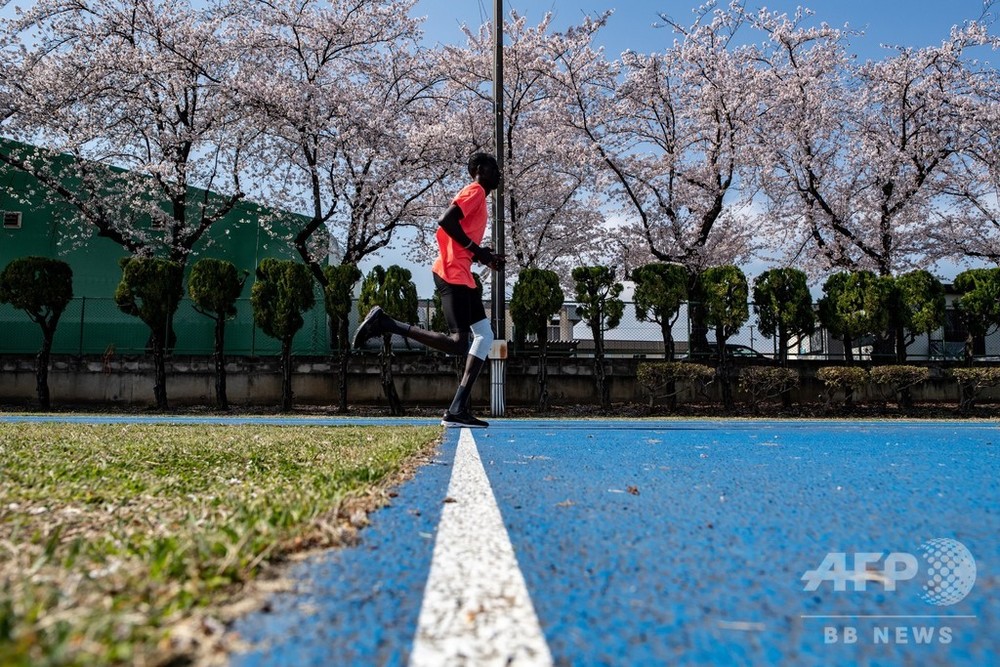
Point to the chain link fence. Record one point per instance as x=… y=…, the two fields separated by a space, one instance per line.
x=636 y=338
x=95 y=326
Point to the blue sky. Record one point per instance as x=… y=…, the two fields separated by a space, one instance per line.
x=904 y=22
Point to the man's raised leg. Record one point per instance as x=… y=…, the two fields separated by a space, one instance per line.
x=376 y=323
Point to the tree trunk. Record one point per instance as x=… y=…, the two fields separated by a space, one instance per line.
x=543 y=371
x=967 y=394
x=699 y=330
x=900 y=345
x=884 y=348
x=286 y=374
x=221 y=399
x=783 y=347
x=728 y=403
x=388 y=386
x=171 y=339
x=344 y=349
x=727 y=388
x=600 y=379
x=667 y=331
x=849 y=358
x=159 y=373
x=42 y=367
x=905 y=398
x=786 y=394
x=668 y=340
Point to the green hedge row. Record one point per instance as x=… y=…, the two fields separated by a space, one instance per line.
x=665 y=380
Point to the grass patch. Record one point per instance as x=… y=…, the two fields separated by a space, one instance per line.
x=113 y=536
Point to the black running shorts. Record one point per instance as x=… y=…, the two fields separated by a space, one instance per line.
x=462 y=306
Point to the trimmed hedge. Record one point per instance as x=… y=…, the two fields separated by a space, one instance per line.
x=971 y=382
x=660 y=378
x=762 y=383
x=847 y=379
x=899 y=379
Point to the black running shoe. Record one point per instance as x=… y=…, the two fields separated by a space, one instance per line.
x=370 y=327
x=462 y=420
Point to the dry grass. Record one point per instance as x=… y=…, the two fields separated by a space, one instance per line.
x=116 y=539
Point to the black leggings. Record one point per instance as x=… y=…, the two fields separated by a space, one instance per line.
x=462 y=306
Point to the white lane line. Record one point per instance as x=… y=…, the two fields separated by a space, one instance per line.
x=476 y=608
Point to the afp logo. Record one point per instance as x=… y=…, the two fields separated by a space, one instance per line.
x=949 y=571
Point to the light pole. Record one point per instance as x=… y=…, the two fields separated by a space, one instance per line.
x=499 y=287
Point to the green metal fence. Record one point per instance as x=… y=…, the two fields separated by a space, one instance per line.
x=92 y=325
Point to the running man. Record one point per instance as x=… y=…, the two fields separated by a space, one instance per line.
x=459 y=234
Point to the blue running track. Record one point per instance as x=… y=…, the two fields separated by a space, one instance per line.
x=649 y=543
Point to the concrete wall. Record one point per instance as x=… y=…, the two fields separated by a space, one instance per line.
x=421 y=380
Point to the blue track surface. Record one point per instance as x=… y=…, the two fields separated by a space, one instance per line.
x=727 y=520
x=681 y=542
x=703 y=565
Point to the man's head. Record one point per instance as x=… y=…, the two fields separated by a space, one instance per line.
x=484 y=170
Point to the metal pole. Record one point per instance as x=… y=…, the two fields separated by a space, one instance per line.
x=499 y=353
x=499 y=287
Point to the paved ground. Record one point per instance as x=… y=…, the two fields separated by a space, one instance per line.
x=646 y=543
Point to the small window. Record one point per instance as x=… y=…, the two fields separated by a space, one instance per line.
x=11 y=219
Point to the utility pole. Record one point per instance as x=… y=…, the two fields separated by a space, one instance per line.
x=499 y=352
x=499 y=286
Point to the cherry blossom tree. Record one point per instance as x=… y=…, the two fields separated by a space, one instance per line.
x=355 y=127
x=857 y=157
x=8 y=75
x=970 y=226
x=353 y=119
x=552 y=213
x=124 y=111
x=672 y=131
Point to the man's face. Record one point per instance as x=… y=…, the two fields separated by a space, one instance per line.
x=489 y=176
